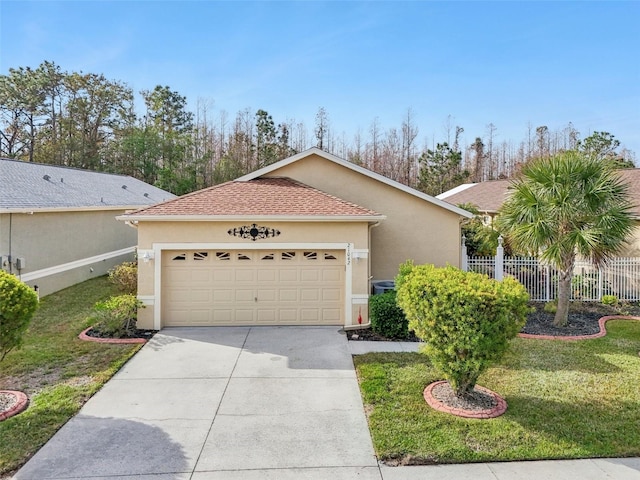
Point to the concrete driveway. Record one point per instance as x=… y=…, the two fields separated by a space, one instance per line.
x=221 y=403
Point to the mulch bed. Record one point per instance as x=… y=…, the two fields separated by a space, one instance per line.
x=144 y=334
x=583 y=320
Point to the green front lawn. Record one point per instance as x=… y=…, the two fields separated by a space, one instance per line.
x=566 y=400
x=58 y=371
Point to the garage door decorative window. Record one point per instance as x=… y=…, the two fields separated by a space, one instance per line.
x=253 y=232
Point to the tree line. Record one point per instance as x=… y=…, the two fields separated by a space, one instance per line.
x=87 y=121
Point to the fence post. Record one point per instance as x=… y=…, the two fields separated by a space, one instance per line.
x=499 y=265
x=547 y=284
x=464 y=265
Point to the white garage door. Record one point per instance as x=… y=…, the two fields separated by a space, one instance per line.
x=253 y=287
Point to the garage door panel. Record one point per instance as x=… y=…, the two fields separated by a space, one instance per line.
x=267 y=316
x=244 y=316
x=330 y=315
x=288 y=294
x=200 y=296
x=309 y=295
x=253 y=288
x=222 y=275
x=244 y=295
x=310 y=315
x=223 y=296
x=288 y=275
x=331 y=275
x=222 y=316
x=331 y=294
x=200 y=275
x=267 y=295
x=244 y=275
x=309 y=275
x=269 y=275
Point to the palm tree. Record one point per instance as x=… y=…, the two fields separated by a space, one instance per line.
x=567 y=205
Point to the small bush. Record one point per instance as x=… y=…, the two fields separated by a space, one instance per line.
x=18 y=303
x=465 y=319
x=551 y=307
x=610 y=300
x=117 y=316
x=125 y=277
x=387 y=318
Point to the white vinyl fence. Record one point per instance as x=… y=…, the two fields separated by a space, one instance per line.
x=620 y=277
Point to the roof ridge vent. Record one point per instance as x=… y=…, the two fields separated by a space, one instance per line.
x=146 y=195
x=124 y=187
x=47 y=177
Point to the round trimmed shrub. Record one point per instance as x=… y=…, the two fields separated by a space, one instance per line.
x=18 y=303
x=387 y=318
x=465 y=319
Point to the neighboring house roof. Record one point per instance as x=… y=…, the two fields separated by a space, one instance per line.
x=273 y=197
x=352 y=166
x=489 y=196
x=26 y=186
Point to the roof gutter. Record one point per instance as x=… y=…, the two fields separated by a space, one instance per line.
x=250 y=218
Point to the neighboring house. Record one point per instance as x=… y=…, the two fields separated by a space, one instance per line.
x=486 y=196
x=58 y=226
x=296 y=243
x=489 y=196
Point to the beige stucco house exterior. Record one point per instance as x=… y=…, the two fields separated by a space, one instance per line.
x=58 y=225
x=296 y=243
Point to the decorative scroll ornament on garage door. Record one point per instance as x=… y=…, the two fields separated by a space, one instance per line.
x=253 y=232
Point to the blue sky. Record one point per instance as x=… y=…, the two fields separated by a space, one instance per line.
x=506 y=63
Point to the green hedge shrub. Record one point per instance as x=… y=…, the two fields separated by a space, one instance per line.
x=387 y=318
x=465 y=319
x=125 y=277
x=117 y=316
x=18 y=303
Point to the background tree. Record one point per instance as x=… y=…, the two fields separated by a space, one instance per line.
x=322 y=128
x=566 y=205
x=603 y=146
x=266 y=147
x=440 y=170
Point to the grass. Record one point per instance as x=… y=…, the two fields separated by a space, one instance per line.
x=566 y=400
x=57 y=371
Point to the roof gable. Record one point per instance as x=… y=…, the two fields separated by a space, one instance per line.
x=368 y=173
x=29 y=186
x=262 y=197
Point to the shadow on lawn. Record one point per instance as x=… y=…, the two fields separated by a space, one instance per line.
x=600 y=427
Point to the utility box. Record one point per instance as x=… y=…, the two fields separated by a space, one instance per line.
x=21 y=263
x=4 y=262
x=383 y=286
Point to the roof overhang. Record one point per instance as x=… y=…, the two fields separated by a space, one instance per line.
x=110 y=208
x=251 y=218
x=352 y=166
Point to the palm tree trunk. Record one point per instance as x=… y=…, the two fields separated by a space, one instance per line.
x=564 y=291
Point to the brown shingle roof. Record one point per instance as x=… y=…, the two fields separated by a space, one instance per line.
x=277 y=196
x=489 y=196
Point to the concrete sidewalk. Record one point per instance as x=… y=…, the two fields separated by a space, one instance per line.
x=251 y=403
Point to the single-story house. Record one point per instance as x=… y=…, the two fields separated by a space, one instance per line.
x=298 y=242
x=58 y=225
x=489 y=196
